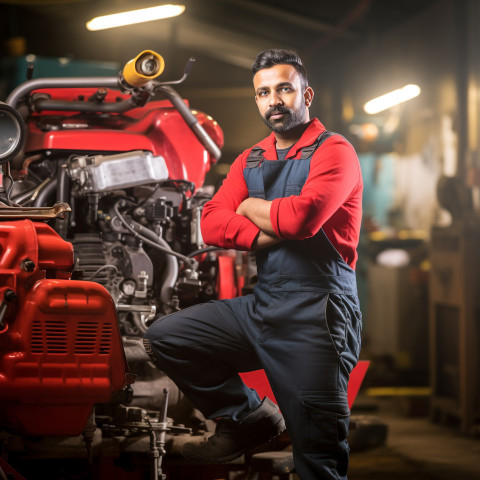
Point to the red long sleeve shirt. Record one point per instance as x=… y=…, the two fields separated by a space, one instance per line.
x=330 y=199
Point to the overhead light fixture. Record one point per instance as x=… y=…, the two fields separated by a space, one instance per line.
x=135 y=16
x=392 y=98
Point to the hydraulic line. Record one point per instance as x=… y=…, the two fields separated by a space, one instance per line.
x=204 y=250
x=63 y=193
x=49 y=189
x=171 y=267
x=155 y=244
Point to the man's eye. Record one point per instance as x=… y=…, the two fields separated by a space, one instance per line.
x=285 y=89
x=262 y=94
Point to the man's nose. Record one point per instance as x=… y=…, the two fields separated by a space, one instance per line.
x=274 y=99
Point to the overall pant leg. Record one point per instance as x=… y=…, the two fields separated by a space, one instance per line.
x=201 y=349
x=310 y=344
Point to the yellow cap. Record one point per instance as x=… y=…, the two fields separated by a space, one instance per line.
x=144 y=67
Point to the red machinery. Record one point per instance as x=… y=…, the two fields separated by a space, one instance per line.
x=81 y=280
x=58 y=361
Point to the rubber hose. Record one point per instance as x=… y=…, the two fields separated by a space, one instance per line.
x=49 y=189
x=172 y=264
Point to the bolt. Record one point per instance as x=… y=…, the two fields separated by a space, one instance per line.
x=27 y=265
x=9 y=295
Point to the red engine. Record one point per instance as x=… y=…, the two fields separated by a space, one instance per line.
x=60 y=346
x=100 y=234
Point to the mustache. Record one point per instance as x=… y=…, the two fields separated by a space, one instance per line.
x=279 y=109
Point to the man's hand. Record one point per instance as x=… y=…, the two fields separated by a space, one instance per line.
x=264 y=240
x=257 y=211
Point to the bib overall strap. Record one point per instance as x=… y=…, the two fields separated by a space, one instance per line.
x=307 y=152
x=255 y=157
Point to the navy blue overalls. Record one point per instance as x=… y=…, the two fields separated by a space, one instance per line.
x=301 y=325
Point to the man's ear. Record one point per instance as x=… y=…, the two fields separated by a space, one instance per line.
x=308 y=96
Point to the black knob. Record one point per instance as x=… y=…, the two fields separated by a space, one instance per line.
x=27 y=265
x=9 y=295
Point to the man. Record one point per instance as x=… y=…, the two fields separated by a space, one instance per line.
x=295 y=198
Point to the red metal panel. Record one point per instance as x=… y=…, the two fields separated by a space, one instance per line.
x=65 y=355
x=61 y=351
x=157 y=127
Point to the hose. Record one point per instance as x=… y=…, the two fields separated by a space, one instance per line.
x=153 y=243
x=21 y=197
x=42 y=197
x=63 y=193
x=190 y=120
x=101 y=269
x=171 y=267
x=204 y=250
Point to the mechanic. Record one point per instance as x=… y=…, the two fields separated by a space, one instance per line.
x=295 y=199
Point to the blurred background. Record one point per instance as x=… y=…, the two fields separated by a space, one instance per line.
x=419 y=264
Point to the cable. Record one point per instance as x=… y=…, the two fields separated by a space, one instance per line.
x=189 y=261
x=7 y=173
x=104 y=267
x=204 y=250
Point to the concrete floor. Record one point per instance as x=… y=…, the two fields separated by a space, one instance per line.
x=415 y=449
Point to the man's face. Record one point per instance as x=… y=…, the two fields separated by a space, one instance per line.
x=280 y=98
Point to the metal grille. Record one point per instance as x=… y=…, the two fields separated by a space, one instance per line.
x=49 y=337
x=89 y=338
x=106 y=339
x=86 y=339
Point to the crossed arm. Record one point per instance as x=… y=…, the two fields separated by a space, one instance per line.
x=257 y=211
x=232 y=219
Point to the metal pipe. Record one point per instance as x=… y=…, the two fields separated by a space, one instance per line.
x=108 y=82
x=63 y=194
x=16 y=94
x=146 y=312
x=190 y=119
x=65 y=106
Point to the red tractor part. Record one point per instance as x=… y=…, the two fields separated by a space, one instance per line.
x=60 y=348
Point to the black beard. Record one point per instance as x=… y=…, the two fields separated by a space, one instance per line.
x=293 y=119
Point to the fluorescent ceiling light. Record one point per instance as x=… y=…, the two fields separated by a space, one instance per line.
x=392 y=98
x=135 y=16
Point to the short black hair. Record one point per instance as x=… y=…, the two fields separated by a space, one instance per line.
x=275 y=56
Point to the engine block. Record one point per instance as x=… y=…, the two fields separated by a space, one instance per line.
x=60 y=347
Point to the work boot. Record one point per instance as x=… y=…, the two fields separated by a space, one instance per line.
x=232 y=439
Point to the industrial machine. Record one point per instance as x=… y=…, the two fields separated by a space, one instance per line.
x=99 y=235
